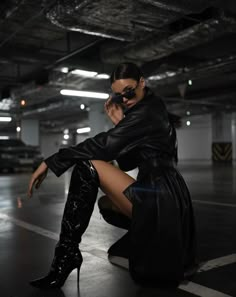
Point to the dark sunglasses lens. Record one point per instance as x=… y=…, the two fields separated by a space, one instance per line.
x=117 y=99
x=129 y=94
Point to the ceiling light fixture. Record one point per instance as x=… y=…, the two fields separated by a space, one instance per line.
x=83 y=130
x=103 y=76
x=22 y=102
x=84 y=94
x=5 y=119
x=84 y=73
x=65 y=69
x=4 y=137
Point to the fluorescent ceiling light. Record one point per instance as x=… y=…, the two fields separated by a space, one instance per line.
x=83 y=130
x=5 y=119
x=103 y=76
x=84 y=94
x=84 y=72
x=162 y=75
x=4 y=137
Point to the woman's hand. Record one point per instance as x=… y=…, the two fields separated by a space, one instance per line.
x=114 y=111
x=37 y=178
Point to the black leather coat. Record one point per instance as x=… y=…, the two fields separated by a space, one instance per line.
x=162 y=230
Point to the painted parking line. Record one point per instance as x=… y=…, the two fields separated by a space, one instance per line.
x=200 y=290
x=34 y=228
x=214 y=203
x=190 y=287
x=219 y=262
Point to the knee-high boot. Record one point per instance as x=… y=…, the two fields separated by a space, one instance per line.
x=78 y=210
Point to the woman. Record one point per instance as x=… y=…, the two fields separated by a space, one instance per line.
x=162 y=234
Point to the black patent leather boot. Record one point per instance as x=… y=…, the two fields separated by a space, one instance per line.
x=77 y=213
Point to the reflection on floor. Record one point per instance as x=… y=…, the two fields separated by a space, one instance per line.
x=29 y=230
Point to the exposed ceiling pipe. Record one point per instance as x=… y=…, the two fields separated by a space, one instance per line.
x=73 y=53
x=202 y=70
x=8 y=8
x=154 y=48
x=181 y=6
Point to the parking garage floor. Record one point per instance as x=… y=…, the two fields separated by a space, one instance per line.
x=29 y=230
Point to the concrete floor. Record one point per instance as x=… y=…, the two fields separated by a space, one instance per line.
x=29 y=230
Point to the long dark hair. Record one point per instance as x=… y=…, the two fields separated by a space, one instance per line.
x=126 y=70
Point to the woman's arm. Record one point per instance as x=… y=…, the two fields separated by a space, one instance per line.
x=130 y=132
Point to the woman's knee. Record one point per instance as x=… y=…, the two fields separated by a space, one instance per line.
x=105 y=203
x=111 y=214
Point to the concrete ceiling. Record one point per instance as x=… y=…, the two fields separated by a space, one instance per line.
x=172 y=42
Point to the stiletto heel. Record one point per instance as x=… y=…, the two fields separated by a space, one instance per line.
x=78 y=274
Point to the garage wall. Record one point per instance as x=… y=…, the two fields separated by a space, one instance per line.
x=194 y=141
x=50 y=143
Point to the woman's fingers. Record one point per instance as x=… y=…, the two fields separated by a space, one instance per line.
x=34 y=182
x=30 y=187
x=37 y=178
x=40 y=180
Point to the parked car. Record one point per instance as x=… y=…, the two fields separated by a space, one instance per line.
x=15 y=154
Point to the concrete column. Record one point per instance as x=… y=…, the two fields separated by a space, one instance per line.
x=98 y=120
x=222 y=137
x=30 y=131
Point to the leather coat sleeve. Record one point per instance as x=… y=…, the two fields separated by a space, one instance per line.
x=107 y=146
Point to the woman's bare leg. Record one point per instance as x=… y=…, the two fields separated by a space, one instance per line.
x=113 y=182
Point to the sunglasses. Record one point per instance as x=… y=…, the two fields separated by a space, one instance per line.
x=118 y=97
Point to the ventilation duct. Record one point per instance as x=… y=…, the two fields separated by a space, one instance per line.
x=154 y=48
x=121 y=20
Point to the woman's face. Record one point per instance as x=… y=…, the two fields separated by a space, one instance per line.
x=120 y=86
